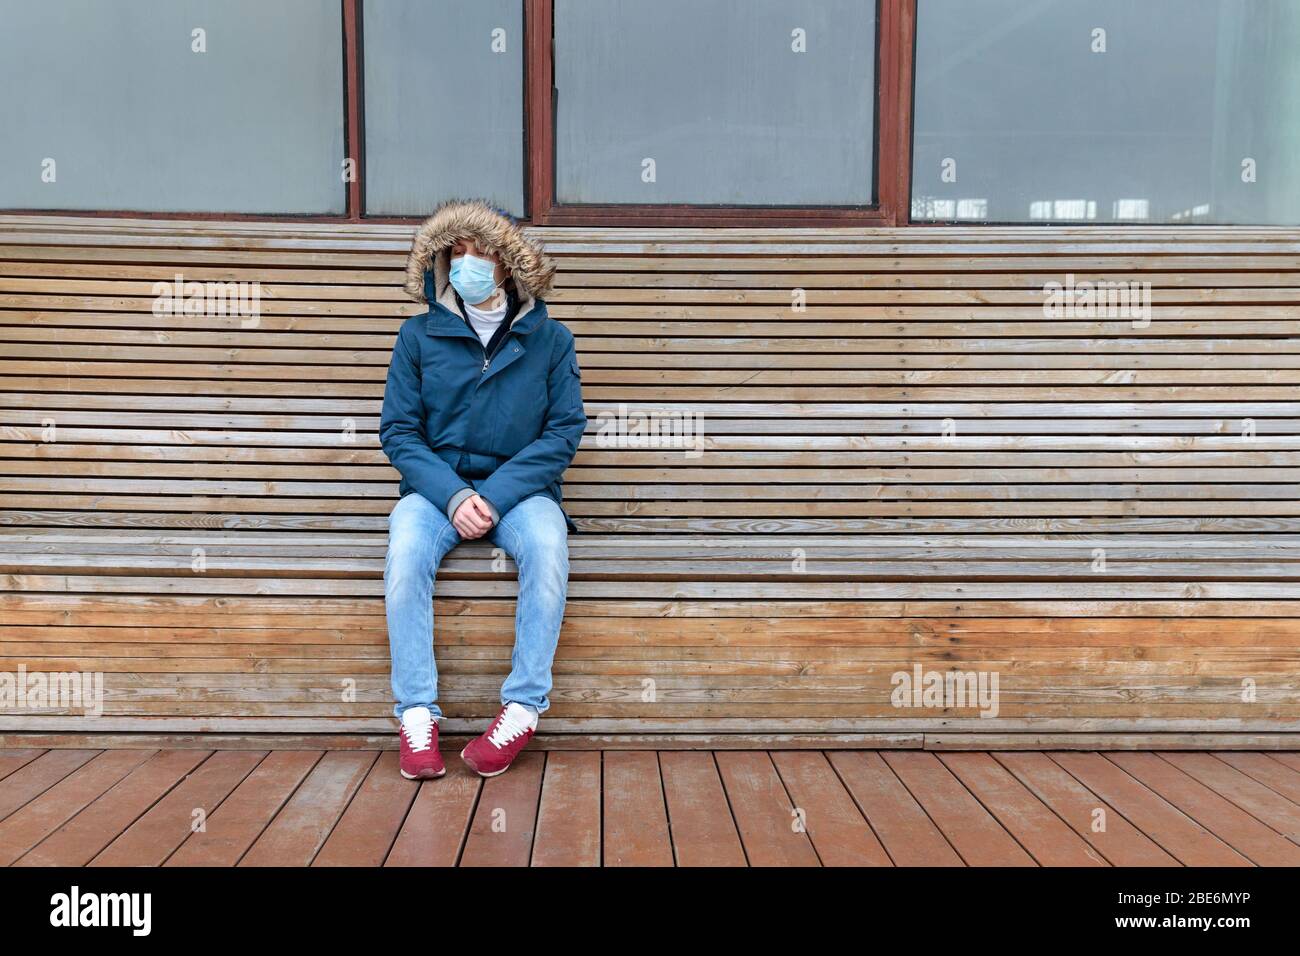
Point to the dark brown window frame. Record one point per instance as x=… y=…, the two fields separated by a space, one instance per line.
x=895 y=32
x=895 y=27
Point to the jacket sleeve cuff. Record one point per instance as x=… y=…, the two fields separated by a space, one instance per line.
x=457 y=500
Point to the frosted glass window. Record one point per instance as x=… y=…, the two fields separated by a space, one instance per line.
x=736 y=102
x=444 y=95
x=172 y=105
x=1107 y=111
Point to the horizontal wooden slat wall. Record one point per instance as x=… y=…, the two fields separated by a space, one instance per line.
x=916 y=467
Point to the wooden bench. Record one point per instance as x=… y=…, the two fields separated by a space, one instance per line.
x=917 y=468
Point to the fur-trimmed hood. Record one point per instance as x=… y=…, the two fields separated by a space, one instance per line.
x=491 y=230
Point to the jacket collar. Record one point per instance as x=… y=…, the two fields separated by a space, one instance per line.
x=444 y=322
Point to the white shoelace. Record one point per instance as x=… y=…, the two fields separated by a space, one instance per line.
x=417 y=725
x=511 y=725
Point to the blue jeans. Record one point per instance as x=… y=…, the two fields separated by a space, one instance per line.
x=419 y=537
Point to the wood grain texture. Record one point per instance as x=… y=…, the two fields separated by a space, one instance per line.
x=971 y=829
x=635 y=815
x=646 y=808
x=773 y=830
x=505 y=820
x=1032 y=823
x=152 y=838
x=301 y=828
x=435 y=828
x=1112 y=836
x=915 y=465
x=839 y=832
x=1258 y=842
x=365 y=833
x=27 y=826
x=703 y=829
x=1183 y=837
x=569 y=816
x=82 y=838
x=227 y=833
x=32 y=777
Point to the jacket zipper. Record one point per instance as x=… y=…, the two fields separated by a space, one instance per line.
x=487 y=359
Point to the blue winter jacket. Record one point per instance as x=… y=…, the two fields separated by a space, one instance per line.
x=506 y=429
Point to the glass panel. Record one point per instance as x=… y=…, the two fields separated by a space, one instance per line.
x=444 y=91
x=739 y=102
x=172 y=105
x=1175 y=111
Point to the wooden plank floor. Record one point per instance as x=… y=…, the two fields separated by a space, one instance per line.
x=189 y=807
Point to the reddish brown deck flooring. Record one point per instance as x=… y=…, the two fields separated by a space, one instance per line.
x=642 y=808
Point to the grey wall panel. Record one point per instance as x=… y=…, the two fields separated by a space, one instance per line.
x=444 y=111
x=714 y=92
x=135 y=119
x=1040 y=118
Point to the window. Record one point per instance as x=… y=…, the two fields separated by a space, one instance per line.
x=172 y=106
x=658 y=112
x=1109 y=111
x=444 y=111
x=734 y=102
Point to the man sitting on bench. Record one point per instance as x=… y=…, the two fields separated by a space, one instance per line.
x=482 y=414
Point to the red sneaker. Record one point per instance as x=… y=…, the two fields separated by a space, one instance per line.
x=420 y=759
x=493 y=753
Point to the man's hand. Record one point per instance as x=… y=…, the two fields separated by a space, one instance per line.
x=473 y=518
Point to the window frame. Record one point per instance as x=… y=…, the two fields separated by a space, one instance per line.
x=895 y=24
x=895 y=59
x=895 y=33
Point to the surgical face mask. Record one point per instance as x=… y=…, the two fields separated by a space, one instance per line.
x=474 y=278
